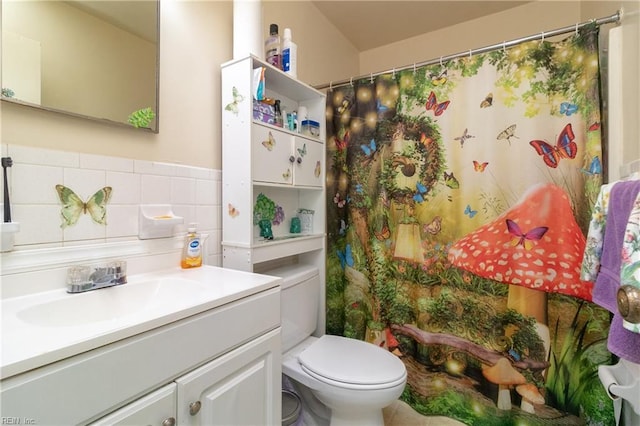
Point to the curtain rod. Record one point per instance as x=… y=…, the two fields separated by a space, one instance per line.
x=600 y=21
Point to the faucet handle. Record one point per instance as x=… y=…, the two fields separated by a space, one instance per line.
x=119 y=270
x=78 y=278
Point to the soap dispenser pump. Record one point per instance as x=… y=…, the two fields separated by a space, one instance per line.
x=192 y=251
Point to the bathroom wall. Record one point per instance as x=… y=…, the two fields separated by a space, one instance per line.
x=193 y=192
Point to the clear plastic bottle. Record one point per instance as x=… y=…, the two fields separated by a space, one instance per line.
x=289 y=54
x=272 y=47
x=192 y=251
x=278 y=114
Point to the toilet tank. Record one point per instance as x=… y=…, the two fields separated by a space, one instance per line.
x=299 y=302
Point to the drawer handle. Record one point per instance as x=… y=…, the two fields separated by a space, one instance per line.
x=169 y=421
x=194 y=407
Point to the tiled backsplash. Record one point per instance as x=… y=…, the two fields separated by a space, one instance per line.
x=194 y=193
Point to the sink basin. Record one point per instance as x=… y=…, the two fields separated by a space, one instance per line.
x=112 y=303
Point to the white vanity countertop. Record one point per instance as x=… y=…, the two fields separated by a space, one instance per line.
x=41 y=328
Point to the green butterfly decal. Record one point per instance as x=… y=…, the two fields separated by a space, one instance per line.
x=237 y=98
x=73 y=206
x=303 y=151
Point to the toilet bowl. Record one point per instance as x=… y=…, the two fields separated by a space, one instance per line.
x=355 y=380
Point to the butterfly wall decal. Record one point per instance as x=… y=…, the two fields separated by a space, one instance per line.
x=480 y=167
x=286 y=175
x=269 y=143
x=303 y=151
x=318 y=169
x=346 y=257
x=525 y=239
x=433 y=227
x=233 y=212
x=469 y=212
x=451 y=181
x=237 y=98
x=432 y=104
x=487 y=101
x=595 y=168
x=464 y=137
x=73 y=206
x=420 y=193
x=567 y=108
x=508 y=133
x=565 y=147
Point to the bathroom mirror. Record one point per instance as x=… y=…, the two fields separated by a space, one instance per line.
x=93 y=59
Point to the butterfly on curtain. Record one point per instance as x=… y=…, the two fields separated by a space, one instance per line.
x=233 y=212
x=567 y=108
x=237 y=98
x=73 y=206
x=384 y=232
x=595 y=168
x=525 y=239
x=595 y=126
x=269 y=143
x=479 y=167
x=346 y=257
x=469 y=212
x=318 y=169
x=369 y=149
x=432 y=104
x=508 y=133
x=464 y=137
x=438 y=79
x=338 y=201
x=425 y=140
x=343 y=227
x=434 y=226
x=565 y=147
x=345 y=105
x=341 y=143
x=451 y=181
x=359 y=189
x=381 y=107
x=487 y=101
x=421 y=191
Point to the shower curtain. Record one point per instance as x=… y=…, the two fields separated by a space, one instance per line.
x=459 y=196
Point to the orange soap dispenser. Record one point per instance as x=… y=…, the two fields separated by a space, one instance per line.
x=192 y=251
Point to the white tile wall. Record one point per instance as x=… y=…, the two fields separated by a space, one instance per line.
x=194 y=193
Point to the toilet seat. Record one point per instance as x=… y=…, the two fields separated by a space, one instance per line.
x=351 y=364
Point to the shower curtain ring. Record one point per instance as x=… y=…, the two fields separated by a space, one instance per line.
x=331 y=86
x=393 y=73
x=504 y=46
x=351 y=81
x=414 y=67
x=576 y=28
x=469 y=53
x=371 y=78
x=542 y=38
x=440 y=61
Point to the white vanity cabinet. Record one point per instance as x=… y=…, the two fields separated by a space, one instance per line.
x=286 y=166
x=225 y=360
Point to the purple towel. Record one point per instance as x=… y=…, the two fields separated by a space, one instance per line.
x=622 y=197
x=622 y=342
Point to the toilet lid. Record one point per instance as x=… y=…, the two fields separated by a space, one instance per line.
x=351 y=361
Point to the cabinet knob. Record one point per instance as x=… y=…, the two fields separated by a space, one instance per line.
x=194 y=407
x=292 y=159
x=169 y=421
x=299 y=160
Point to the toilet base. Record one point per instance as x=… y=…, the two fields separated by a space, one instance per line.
x=353 y=418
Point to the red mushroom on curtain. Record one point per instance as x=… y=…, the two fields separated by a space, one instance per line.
x=536 y=247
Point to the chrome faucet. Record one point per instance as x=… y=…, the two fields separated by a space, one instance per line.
x=85 y=278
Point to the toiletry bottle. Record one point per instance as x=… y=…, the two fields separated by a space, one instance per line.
x=272 y=47
x=192 y=251
x=289 y=54
x=278 y=114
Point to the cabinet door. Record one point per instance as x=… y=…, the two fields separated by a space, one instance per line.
x=309 y=160
x=242 y=387
x=271 y=151
x=157 y=409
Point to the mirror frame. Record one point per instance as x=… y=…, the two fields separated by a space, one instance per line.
x=104 y=120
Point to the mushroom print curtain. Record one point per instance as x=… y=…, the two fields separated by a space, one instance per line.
x=459 y=197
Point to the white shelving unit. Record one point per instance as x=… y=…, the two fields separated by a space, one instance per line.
x=286 y=166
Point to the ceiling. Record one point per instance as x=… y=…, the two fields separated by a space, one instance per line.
x=370 y=24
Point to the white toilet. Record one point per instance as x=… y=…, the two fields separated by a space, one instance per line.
x=354 y=379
